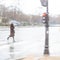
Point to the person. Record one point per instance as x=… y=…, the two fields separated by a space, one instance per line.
x=12 y=32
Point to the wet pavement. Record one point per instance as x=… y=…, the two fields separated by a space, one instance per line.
x=29 y=41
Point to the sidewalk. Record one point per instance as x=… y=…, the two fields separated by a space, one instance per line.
x=50 y=58
x=41 y=58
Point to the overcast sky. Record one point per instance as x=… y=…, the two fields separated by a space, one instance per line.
x=34 y=6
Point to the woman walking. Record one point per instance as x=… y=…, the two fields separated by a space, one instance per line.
x=12 y=32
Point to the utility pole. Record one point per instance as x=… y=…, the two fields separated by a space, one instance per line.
x=46 y=49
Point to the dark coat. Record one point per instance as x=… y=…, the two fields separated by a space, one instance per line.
x=12 y=31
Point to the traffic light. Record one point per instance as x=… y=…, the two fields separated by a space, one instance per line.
x=44 y=17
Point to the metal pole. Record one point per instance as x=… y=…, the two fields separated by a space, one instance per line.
x=46 y=50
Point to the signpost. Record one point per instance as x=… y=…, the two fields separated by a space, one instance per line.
x=46 y=49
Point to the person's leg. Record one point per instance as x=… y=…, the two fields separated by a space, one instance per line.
x=8 y=37
x=13 y=39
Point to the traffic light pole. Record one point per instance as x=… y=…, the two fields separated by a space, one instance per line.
x=46 y=49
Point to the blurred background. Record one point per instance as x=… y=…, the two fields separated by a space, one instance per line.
x=28 y=12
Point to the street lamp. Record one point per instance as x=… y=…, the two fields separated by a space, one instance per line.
x=46 y=49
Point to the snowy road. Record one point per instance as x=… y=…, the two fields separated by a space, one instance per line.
x=29 y=40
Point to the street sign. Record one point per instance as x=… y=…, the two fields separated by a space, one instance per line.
x=44 y=3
